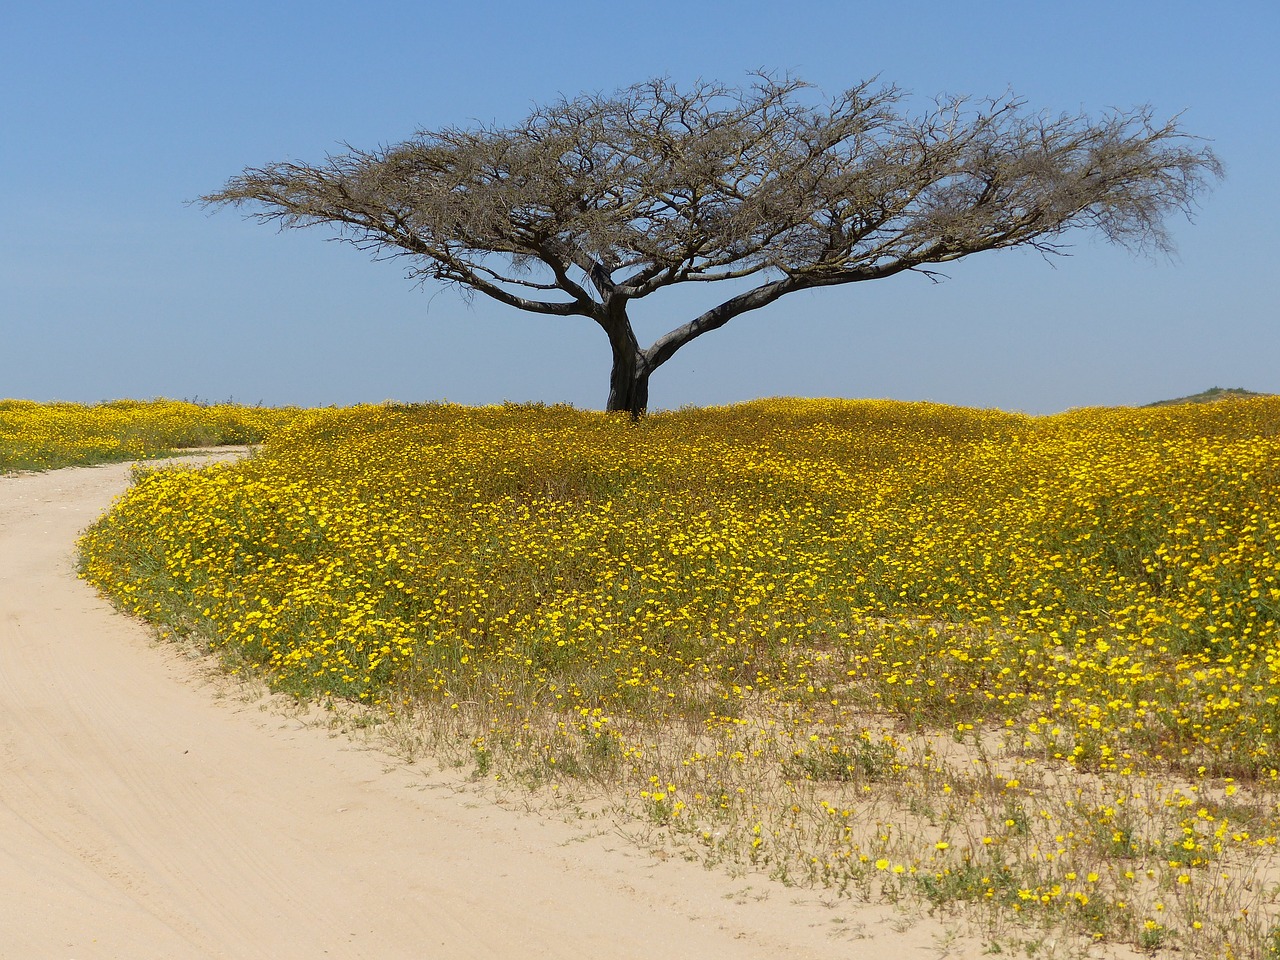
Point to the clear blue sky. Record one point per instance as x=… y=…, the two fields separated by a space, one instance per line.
x=114 y=114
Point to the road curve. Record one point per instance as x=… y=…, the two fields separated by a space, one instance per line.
x=143 y=817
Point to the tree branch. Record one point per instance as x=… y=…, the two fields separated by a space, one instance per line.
x=653 y=186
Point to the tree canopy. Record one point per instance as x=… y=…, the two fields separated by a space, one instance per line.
x=593 y=202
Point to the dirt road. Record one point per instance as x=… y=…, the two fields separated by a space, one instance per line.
x=143 y=816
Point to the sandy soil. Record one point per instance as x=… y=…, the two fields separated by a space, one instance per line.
x=145 y=813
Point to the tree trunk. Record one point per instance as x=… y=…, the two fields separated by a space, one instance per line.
x=629 y=380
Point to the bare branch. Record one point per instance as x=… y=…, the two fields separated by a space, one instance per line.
x=603 y=199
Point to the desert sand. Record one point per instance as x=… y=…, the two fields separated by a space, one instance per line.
x=145 y=813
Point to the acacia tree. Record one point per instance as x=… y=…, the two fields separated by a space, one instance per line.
x=595 y=202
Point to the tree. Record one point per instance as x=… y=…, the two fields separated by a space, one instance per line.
x=592 y=203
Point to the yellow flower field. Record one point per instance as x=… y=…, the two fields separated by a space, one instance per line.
x=43 y=436
x=902 y=650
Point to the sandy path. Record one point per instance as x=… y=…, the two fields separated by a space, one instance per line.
x=142 y=817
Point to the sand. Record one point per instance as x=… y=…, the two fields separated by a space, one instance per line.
x=146 y=812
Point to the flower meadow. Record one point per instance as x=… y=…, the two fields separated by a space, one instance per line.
x=43 y=436
x=1024 y=669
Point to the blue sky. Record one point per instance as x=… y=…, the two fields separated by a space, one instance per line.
x=115 y=115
